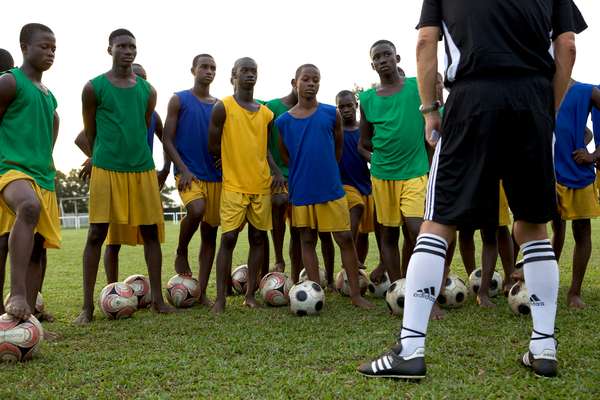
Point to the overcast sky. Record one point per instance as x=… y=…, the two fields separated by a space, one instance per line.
x=279 y=34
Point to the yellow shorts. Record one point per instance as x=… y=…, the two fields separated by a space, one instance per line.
x=236 y=208
x=578 y=203
x=48 y=225
x=211 y=193
x=355 y=198
x=125 y=200
x=395 y=200
x=504 y=215
x=332 y=216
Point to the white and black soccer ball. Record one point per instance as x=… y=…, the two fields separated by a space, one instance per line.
x=518 y=299
x=274 y=288
x=306 y=298
x=394 y=296
x=322 y=276
x=454 y=293
x=475 y=282
x=342 y=285
x=380 y=289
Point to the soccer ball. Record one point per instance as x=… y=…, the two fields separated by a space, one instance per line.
x=343 y=286
x=117 y=300
x=306 y=298
x=141 y=288
x=380 y=289
x=394 y=297
x=39 y=303
x=274 y=289
x=19 y=340
x=322 y=276
x=182 y=291
x=454 y=293
x=475 y=282
x=239 y=279
x=518 y=299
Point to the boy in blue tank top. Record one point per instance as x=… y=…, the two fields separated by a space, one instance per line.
x=198 y=180
x=311 y=144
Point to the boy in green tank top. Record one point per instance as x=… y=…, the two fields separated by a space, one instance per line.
x=117 y=108
x=28 y=130
x=392 y=130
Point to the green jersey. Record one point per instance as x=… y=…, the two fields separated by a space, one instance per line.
x=278 y=108
x=121 y=130
x=399 y=151
x=27 y=132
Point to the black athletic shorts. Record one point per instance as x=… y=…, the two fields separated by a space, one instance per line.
x=494 y=129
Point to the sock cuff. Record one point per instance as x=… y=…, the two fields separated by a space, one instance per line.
x=434 y=238
x=431 y=244
x=538 y=250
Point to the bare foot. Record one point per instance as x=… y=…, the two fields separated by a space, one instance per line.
x=361 y=302
x=574 y=301
x=218 y=307
x=84 y=318
x=45 y=316
x=250 y=302
x=279 y=267
x=518 y=275
x=362 y=266
x=182 y=267
x=331 y=287
x=437 y=314
x=163 y=308
x=17 y=307
x=485 y=302
x=51 y=336
x=507 y=286
x=377 y=274
x=204 y=301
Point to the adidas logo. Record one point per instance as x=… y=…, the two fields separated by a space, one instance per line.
x=426 y=293
x=535 y=301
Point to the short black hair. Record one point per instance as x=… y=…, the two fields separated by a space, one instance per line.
x=199 y=56
x=300 y=68
x=343 y=93
x=28 y=30
x=238 y=62
x=382 y=41
x=6 y=60
x=119 y=32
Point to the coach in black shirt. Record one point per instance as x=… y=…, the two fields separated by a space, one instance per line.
x=508 y=64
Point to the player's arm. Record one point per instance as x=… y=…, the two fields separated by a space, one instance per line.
x=89 y=104
x=55 y=126
x=427 y=69
x=8 y=91
x=278 y=179
x=81 y=141
x=215 y=131
x=564 y=58
x=163 y=174
x=338 y=136
x=365 y=144
x=283 y=151
x=582 y=156
x=170 y=132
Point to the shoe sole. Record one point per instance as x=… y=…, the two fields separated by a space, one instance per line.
x=416 y=377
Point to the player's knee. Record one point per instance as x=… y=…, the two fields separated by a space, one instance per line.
x=344 y=239
x=195 y=210
x=96 y=235
x=29 y=211
x=256 y=237
x=582 y=231
x=228 y=240
x=279 y=200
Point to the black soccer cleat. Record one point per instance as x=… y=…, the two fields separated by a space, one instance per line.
x=545 y=363
x=391 y=365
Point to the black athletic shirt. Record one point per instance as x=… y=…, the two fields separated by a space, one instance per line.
x=500 y=37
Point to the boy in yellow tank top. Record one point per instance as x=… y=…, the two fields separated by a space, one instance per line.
x=238 y=138
x=117 y=109
x=28 y=131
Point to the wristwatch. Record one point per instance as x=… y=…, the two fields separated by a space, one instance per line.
x=433 y=107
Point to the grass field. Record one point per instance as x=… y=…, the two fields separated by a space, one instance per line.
x=269 y=353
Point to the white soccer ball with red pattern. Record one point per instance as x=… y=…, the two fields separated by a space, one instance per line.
x=274 y=289
x=141 y=287
x=183 y=291
x=239 y=279
x=39 y=303
x=322 y=277
x=19 y=340
x=342 y=284
x=117 y=301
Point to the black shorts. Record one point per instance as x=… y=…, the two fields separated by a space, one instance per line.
x=494 y=129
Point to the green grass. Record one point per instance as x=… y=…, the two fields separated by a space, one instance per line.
x=269 y=353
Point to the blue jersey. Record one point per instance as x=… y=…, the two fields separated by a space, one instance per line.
x=353 y=167
x=152 y=129
x=191 y=138
x=569 y=134
x=314 y=176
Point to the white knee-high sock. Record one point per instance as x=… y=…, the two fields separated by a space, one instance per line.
x=423 y=283
x=541 y=278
